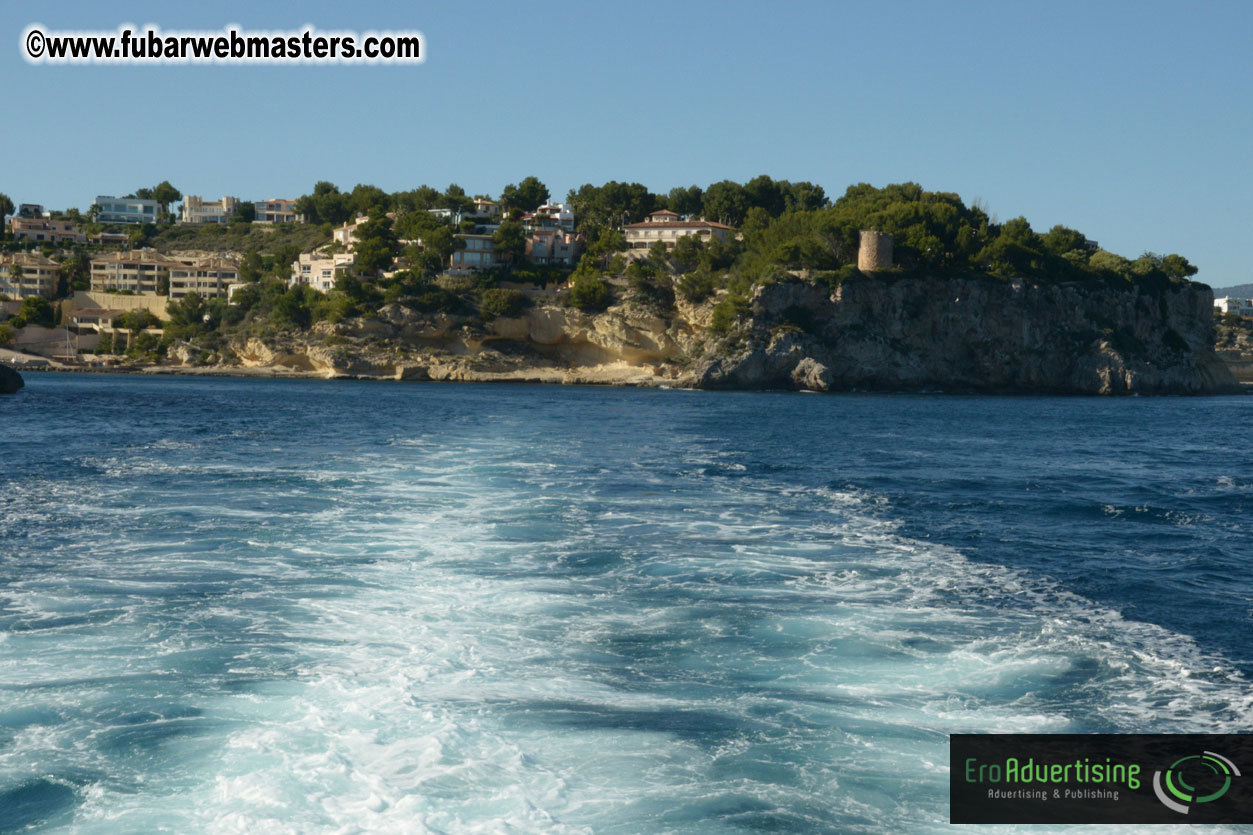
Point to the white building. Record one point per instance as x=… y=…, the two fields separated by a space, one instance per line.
x=125 y=210
x=1239 y=307
x=236 y=287
x=318 y=271
x=346 y=235
x=486 y=208
x=550 y=216
x=668 y=227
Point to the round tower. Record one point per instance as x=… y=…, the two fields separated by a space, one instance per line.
x=875 y=252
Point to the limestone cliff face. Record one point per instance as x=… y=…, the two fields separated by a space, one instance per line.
x=872 y=332
x=625 y=345
x=975 y=334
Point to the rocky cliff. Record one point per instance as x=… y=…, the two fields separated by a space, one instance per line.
x=882 y=332
x=975 y=334
x=549 y=343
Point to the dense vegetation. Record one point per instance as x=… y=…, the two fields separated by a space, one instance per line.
x=787 y=228
x=239 y=237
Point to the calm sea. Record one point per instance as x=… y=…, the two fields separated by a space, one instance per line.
x=305 y=606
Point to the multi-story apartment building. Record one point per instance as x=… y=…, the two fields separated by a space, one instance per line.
x=39 y=275
x=553 y=246
x=139 y=271
x=479 y=253
x=46 y=231
x=209 y=278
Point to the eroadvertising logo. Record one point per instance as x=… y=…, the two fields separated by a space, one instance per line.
x=1099 y=778
x=1212 y=782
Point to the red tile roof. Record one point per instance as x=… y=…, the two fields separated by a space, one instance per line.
x=678 y=224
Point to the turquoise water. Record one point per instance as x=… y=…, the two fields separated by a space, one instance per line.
x=305 y=606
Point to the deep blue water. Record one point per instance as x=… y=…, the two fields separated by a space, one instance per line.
x=304 y=606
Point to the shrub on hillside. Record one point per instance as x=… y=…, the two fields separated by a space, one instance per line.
x=497 y=302
x=588 y=293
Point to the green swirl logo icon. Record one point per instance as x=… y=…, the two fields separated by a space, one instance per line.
x=1197 y=778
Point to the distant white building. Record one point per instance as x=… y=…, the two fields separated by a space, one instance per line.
x=346 y=235
x=550 y=216
x=1239 y=307
x=453 y=218
x=667 y=227
x=486 y=208
x=318 y=271
x=125 y=210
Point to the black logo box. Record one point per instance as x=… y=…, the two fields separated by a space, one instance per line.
x=1091 y=800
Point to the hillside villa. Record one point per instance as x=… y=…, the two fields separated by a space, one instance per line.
x=550 y=216
x=196 y=210
x=318 y=270
x=125 y=210
x=667 y=226
x=276 y=210
x=553 y=246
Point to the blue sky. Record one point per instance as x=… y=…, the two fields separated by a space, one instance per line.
x=1131 y=121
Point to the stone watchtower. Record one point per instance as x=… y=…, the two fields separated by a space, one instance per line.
x=875 y=252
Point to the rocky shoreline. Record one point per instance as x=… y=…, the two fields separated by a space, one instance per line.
x=872 y=333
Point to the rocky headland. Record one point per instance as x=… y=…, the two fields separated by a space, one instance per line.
x=870 y=332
